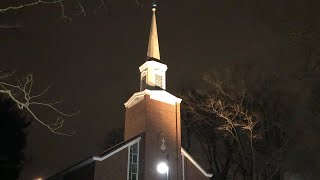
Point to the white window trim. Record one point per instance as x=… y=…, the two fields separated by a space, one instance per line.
x=128 y=169
x=138 y=150
x=138 y=155
x=182 y=161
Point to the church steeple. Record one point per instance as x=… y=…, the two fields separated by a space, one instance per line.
x=154 y=114
x=153 y=73
x=153 y=46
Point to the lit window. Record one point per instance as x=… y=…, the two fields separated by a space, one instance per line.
x=158 y=80
x=133 y=162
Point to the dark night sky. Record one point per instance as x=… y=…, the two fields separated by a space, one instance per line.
x=93 y=61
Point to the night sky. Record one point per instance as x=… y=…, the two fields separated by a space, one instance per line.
x=92 y=62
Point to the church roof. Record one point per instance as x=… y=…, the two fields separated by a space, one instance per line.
x=102 y=156
x=153 y=46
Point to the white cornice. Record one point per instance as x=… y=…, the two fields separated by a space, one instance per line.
x=135 y=98
x=187 y=155
x=159 y=95
x=154 y=65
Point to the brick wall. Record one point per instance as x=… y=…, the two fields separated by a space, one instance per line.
x=135 y=120
x=114 y=167
x=191 y=172
x=83 y=173
x=157 y=120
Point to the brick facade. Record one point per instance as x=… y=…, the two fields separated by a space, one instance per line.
x=191 y=172
x=115 y=167
x=83 y=173
x=157 y=120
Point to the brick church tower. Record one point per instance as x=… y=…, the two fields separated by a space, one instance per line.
x=155 y=113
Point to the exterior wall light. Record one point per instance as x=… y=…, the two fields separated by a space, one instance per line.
x=162 y=168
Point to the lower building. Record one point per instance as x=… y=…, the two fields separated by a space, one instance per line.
x=126 y=161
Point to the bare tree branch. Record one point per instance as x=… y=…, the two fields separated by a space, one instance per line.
x=84 y=8
x=10 y=26
x=2 y=10
x=234 y=117
x=21 y=94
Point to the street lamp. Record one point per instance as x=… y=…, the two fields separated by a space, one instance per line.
x=163 y=168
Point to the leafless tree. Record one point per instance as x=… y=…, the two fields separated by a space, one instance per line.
x=226 y=115
x=236 y=119
x=201 y=125
x=22 y=94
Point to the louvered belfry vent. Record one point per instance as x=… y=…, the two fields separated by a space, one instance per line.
x=158 y=80
x=143 y=83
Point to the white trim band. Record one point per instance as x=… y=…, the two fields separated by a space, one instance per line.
x=96 y=158
x=186 y=154
x=117 y=150
x=159 y=95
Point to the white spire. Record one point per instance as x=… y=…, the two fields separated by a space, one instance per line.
x=153 y=47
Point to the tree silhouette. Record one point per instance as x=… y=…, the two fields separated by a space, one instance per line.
x=114 y=137
x=13 y=126
x=260 y=121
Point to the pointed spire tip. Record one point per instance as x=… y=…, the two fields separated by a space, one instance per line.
x=153 y=46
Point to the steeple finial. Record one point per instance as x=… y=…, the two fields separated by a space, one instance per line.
x=153 y=47
x=154 y=3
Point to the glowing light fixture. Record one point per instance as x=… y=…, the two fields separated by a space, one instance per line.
x=162 y=168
